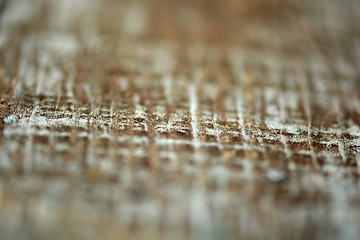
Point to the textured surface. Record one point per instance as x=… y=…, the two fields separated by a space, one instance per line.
x=179 y=119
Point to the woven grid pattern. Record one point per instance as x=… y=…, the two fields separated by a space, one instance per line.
x=191 y=120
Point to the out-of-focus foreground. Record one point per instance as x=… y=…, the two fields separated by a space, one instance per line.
x=193 y=119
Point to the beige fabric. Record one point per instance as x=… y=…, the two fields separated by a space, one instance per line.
x=180 y=119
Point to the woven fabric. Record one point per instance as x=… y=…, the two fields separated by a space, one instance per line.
x=179 y=119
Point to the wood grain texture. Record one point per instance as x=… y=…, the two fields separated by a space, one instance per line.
x=170 y=119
